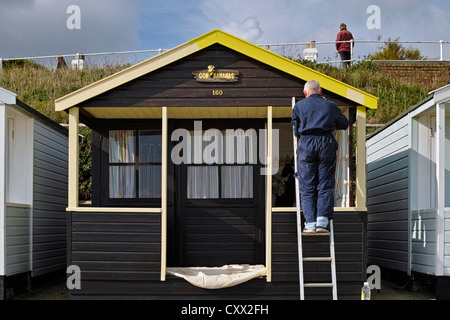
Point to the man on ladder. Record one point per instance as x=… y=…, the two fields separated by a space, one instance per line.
x=314 y=119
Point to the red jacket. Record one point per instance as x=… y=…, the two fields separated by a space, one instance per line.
x=344 y=35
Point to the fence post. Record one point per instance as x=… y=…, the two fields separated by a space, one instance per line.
x=1 y=64
x=351 y=51
x=441 y=45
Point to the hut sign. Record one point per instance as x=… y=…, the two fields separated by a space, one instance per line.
x=213 y=75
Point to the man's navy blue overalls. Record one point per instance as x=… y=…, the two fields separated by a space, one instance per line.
x=314 y=119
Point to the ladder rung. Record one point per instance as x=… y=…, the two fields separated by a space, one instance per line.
x=315 y=234
x=318 y=285
x=317 y=259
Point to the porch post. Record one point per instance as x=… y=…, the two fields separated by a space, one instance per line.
x=74 y=122
x=269 y=197
x=164 y=194
x=361 y=159
x=440 y=188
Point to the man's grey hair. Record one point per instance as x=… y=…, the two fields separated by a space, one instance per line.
x=312 y=86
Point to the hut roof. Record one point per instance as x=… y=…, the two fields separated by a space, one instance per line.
x=211 y=38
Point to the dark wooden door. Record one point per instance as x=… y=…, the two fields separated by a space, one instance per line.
x=220 y=209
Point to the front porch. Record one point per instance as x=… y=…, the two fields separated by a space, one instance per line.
x=138 y=226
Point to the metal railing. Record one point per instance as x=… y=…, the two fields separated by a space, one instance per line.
x=353 y=42
x=79 y=56
x=270 y=46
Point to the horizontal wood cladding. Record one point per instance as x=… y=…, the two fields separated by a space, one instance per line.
x=118 y=254
x=219 y=236
x=50 y=171
x=179 y=289
x=387 y=206
x=174 y=85
x=350 y=248
x=115 y=246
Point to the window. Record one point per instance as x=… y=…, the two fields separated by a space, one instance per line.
x=237 y=182
x=203 y=182
x=134 y=164
x=223 y=180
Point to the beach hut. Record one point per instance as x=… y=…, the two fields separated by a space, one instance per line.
x=184 y=147
x=408 y=197
x=33 y=195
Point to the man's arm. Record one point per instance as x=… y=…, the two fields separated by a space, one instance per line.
x=295 y=122
x=341 y=121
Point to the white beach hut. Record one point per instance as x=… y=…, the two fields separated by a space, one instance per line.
x=408 y=192
x=33 y=195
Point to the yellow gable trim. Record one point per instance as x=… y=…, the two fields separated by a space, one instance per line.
x=124 y=76
x=216 y=36
x=289 y=66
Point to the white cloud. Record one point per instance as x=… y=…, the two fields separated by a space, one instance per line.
x=306 y=20
x=248 y=29
x=38 y=27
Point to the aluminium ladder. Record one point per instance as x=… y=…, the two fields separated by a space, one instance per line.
x=301 y=259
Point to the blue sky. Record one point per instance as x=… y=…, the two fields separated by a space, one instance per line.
x=38 y=27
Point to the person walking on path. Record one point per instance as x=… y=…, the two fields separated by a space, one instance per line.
x=314 y=119
x=344 y=48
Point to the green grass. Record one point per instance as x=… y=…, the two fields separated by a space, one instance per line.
x=394 y=95
x=38 y=86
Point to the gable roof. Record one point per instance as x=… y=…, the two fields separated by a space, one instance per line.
x=216 y=37
x=10 y=98
x=7 y=96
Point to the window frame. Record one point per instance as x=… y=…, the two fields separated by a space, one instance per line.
x=137 y=126
x=220 y=180
x=220 y=124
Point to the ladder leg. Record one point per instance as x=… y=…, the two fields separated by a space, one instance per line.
x=333 y=261
x=299 y=220
x=300 y=262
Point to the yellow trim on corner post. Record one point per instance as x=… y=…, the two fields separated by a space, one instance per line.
x=164 y=194
x=73 y=183
x=269 y=197
x=361 y=159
